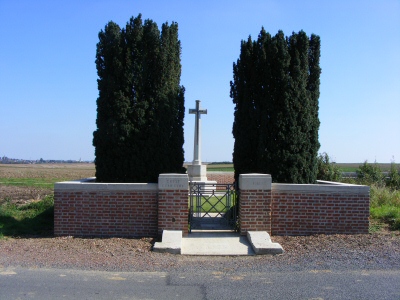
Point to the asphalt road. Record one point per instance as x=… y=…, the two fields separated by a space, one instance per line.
x=20 y=283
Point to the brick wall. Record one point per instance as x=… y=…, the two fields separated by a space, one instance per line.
x=255 y=202
x=96 y=209
x=319 y=209
x=131 y=210
x=255 y=211
x=221 y=177
x=173 y=200
x=173 y=211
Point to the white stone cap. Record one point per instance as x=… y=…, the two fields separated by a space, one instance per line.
x=173 y=181
x=90 y=184
x=255 y=181
x=325 y=187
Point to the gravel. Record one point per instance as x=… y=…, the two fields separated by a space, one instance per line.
x=379 y=251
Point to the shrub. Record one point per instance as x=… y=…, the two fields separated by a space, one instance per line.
x=369 y=174
x=393 y=180
x=327 y=170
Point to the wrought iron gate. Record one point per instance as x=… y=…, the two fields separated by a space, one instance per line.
x=213 y=206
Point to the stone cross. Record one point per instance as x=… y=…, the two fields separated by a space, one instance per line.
x=197 y=132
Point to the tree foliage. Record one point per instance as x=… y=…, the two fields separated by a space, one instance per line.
x=328 y=170
x=275 y=90
x=140 y=108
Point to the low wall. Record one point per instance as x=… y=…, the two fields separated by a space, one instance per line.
x=325 y=208
x=221 y=177
x=86 y=208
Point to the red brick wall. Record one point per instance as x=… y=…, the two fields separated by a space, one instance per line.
x=255 y=210
x=105 y=213
x=145 y=210
x=221 y=177
x=173 y=210
x=305 y=213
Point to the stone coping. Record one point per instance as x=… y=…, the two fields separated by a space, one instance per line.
x=255 y=181
x=322 y=187
x=173 y=181
x=90 y=184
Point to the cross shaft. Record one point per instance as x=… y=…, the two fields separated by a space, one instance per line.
x=197 y=132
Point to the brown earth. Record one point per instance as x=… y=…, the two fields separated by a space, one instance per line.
x=22 y=195
x=60 y=171
x=51 y=172
x=320 y=252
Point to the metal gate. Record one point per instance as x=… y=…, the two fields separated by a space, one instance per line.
x=213 y=207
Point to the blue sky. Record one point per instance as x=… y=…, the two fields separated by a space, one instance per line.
x=48 y=87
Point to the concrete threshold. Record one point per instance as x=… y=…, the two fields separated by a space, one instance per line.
x=210 y=242
x=221 y=242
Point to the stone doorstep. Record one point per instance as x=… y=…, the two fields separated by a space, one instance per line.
x=171 y=242
x=262 y=244
x=259 y=240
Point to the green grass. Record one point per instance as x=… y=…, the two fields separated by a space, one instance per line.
x=36 y=218
x=213 y=205
x=47 y=183
x=385 y=206
x=220 y=168
x=353 y=167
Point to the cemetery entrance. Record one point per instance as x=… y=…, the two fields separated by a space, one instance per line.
x=213 y=206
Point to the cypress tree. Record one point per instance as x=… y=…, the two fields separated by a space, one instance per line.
x=112 y=116
x=149 y=105
x=275 y=91
x=245 y=125
x=313 y=88
x=280 y=117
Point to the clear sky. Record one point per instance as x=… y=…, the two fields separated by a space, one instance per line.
x=48 y=87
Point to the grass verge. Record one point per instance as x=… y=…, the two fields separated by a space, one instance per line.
x=36 y=218
x=47 y=183
x=385 y=206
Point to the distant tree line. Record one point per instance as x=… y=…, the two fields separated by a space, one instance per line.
x=140 y=108
x=275 y=90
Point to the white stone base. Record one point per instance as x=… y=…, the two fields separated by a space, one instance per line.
x=197 y=172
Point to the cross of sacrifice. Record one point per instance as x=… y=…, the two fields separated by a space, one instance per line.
x=197 y=131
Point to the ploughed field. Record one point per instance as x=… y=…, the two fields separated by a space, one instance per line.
x=23 y=183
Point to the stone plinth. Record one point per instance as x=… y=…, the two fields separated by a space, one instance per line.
x=197 y=172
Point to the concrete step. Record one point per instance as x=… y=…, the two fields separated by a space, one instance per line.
x=171 y=242
x=262 y=244
x=209 y=242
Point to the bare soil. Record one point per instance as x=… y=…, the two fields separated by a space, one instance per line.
x=21 y=195
x=368 y=251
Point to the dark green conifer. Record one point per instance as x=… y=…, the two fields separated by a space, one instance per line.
x=141 y=100
x=275 y=91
